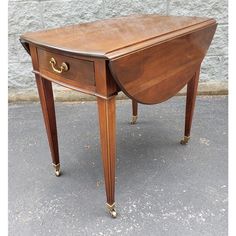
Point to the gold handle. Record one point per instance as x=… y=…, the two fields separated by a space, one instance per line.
x=64 y=66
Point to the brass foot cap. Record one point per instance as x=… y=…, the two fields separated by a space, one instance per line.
x=112 y=210
x=185 y=140
x=113 y=213
x=57 y=169
x=134 y=120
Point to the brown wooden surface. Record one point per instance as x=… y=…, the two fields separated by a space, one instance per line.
x=190 y=101
x=134 y=108
x=107 y=119
x=157 y=73
x=149 y=57
x=47 y=104
x=48 y=109
x=80 y=71
x=107 y=124
x=103 y=38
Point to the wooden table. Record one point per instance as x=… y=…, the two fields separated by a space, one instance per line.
x=148 y=57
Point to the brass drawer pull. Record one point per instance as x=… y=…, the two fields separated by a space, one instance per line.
x=64 y=66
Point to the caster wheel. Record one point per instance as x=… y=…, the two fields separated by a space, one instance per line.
x=111 y=209
x=57 y=169
x=134 y=120
x=113 y=213
x=185 y=140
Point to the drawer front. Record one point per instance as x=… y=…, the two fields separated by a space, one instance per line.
x=67 y=70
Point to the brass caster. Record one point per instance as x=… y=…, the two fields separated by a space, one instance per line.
x=185 y=140
x=134 y=120
x=112 y=210
x=57 y=169
x=113 y=213
x=57 y=173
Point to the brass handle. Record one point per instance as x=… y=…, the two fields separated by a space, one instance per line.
x=64 y=66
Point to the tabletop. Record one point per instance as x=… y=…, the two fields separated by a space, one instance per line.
x=115 y=37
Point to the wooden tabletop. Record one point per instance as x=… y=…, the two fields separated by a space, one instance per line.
x=112 y=38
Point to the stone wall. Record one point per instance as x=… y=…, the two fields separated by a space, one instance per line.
x=32 y=15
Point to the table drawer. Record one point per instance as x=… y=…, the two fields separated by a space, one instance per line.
x=67 y=70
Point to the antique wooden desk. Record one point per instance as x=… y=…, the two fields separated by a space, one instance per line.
x=148 y=57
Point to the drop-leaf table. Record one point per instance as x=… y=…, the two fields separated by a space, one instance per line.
x=148 y=57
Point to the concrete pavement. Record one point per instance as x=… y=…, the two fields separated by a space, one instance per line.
x=163 y=188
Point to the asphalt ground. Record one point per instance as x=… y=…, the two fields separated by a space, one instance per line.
x=162 y=187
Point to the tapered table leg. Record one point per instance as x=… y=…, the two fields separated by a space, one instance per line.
x=134 y=112
x=48 y=109
x=107 y=124
x=190 y=104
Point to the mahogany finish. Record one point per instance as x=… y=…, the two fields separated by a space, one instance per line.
x=115 y=37
x=134 y=111
x=47 y=103
x=157 y=73
x=190 y=102
x=106 y=109
x=134 y=108
x=81 y=71
x=148 y=57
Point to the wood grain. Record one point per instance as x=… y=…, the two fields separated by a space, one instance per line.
x=107 y=124
x=81 y=72
x=106 y=110
x=155 y=74
x=114 y=37
x=47 y=103
x=48 y=108
x=190 y=102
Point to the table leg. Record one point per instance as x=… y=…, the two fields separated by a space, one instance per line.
x=47 y=103
x=134 y=112
x=107 y=123
x=190 y=104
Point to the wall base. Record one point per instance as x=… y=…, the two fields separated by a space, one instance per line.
x=65 y=95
